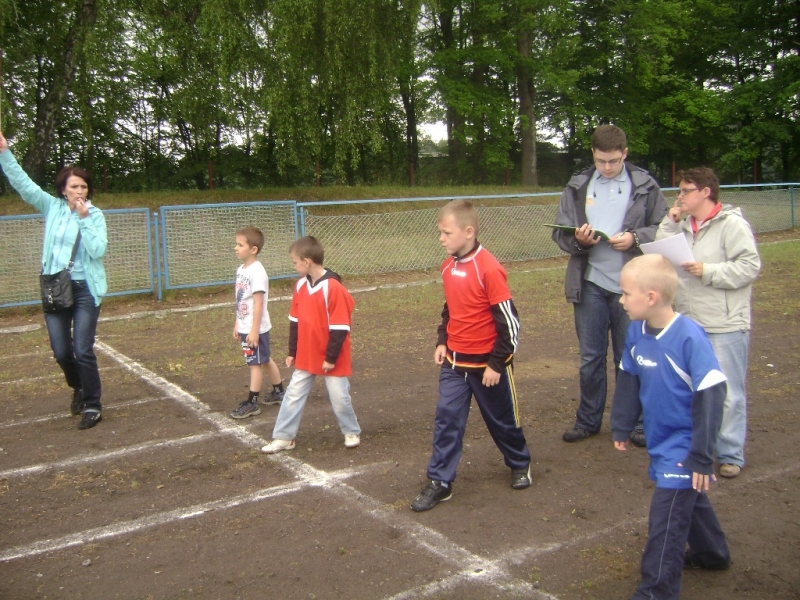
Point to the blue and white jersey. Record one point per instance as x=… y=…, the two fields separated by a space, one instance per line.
x=671 y=367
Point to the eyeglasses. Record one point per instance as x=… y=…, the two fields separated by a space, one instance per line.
x=686 y=191
x=608 y=163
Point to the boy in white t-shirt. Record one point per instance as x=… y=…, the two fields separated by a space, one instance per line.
x=252 y=322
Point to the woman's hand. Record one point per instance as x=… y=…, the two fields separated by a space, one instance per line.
x=3 y=143
x=676 y=211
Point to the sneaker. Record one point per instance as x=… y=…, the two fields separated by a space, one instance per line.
x=277 y=445
x=431 y=495
x=729 y=471
x=638 y=439
x=704 y=561
x=246 y=409
x=76 y=406
x=576 y=434
x=351 y=440
x=521 y=478
x=274 y=397
x=90 y=419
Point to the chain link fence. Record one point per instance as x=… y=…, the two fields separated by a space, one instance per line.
x=198 y=241
x=192 y=246
x=128 y=261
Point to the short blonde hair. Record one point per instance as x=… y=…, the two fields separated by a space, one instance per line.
x=462 y=211
x=653 y=272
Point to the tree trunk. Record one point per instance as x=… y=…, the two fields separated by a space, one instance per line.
x=48 y=113
x=527 y=102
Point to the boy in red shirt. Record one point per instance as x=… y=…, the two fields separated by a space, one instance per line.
x=476 y=344
x=319 y=344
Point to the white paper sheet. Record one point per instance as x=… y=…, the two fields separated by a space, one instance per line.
x=674 y=248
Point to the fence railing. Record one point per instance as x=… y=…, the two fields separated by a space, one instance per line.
x=192 y=246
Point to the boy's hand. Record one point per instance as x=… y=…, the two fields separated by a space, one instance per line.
x=252 y=339
x=439 y=354
x=236 y=332
x=3 y=143
x=490 y=377
x=621 y=445
x=327 y=367
x=289 y=361
x=700 y=482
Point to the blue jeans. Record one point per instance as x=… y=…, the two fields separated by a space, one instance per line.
x=294 y=401
x=72 y=340
x=731 y=350
x=598 y=312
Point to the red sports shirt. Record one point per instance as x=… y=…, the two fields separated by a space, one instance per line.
x=318 y=310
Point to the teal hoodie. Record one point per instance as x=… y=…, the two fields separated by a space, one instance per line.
x=94 y=237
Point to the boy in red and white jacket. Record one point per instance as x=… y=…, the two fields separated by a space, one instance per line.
x=476 y=344
x=319 y=344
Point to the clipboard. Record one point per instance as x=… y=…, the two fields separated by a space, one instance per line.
x=570 y=229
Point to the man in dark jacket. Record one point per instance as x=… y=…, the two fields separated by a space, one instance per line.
x=614 y=207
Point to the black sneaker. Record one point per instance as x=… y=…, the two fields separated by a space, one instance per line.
x=274 y=397
x=704 y=561
x=431 y=495
x=76 y=407
x=246 y=409
x=638 y=438
x=521 y=478
x=576 y=434
x=90 y=419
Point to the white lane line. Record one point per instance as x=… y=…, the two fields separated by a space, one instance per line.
x=429 y=539
x=45 y=377
x=164 y=518
x=27 y=354
x=20 y=329
x=65 y=415
x=86 y=459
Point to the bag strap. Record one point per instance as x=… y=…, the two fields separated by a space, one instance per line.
x=74 y=252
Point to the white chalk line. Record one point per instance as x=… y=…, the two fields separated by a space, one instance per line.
x=85 y=459
x=427 y=538
x=65 y=415
x=26 y=354
x=25 y=380
x=167 y=517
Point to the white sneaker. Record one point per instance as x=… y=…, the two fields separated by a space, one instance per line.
x=351 y=440
x=278 y=445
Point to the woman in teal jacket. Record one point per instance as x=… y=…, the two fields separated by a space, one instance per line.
x=71 y=331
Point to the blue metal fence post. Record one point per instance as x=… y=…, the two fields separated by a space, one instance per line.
x=157 y=270
x=791 y=202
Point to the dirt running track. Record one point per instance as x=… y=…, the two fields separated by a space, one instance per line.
x=169 y=498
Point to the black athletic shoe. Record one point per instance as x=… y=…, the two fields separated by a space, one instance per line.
x=521 y=478
x=704 y=561
x=431 y=495
x=246 y=409
x=274 y=397
x=576 y=434
x=76 y=407
x=90 y=419
x=638 y=438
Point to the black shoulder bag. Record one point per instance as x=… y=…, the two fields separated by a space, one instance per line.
x=57 y=288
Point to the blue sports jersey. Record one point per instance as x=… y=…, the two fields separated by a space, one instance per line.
x=671 y=367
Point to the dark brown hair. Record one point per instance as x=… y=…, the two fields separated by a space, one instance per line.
x=253 y=236
x=702 y=177
x=67 y=172
x=310 y=248
x=608 y=138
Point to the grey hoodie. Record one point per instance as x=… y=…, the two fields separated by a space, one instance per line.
x=725 y=244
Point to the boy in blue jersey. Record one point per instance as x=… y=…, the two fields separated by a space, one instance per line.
x=670 y=373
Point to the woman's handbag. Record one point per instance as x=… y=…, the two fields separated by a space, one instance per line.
x=57 y=288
